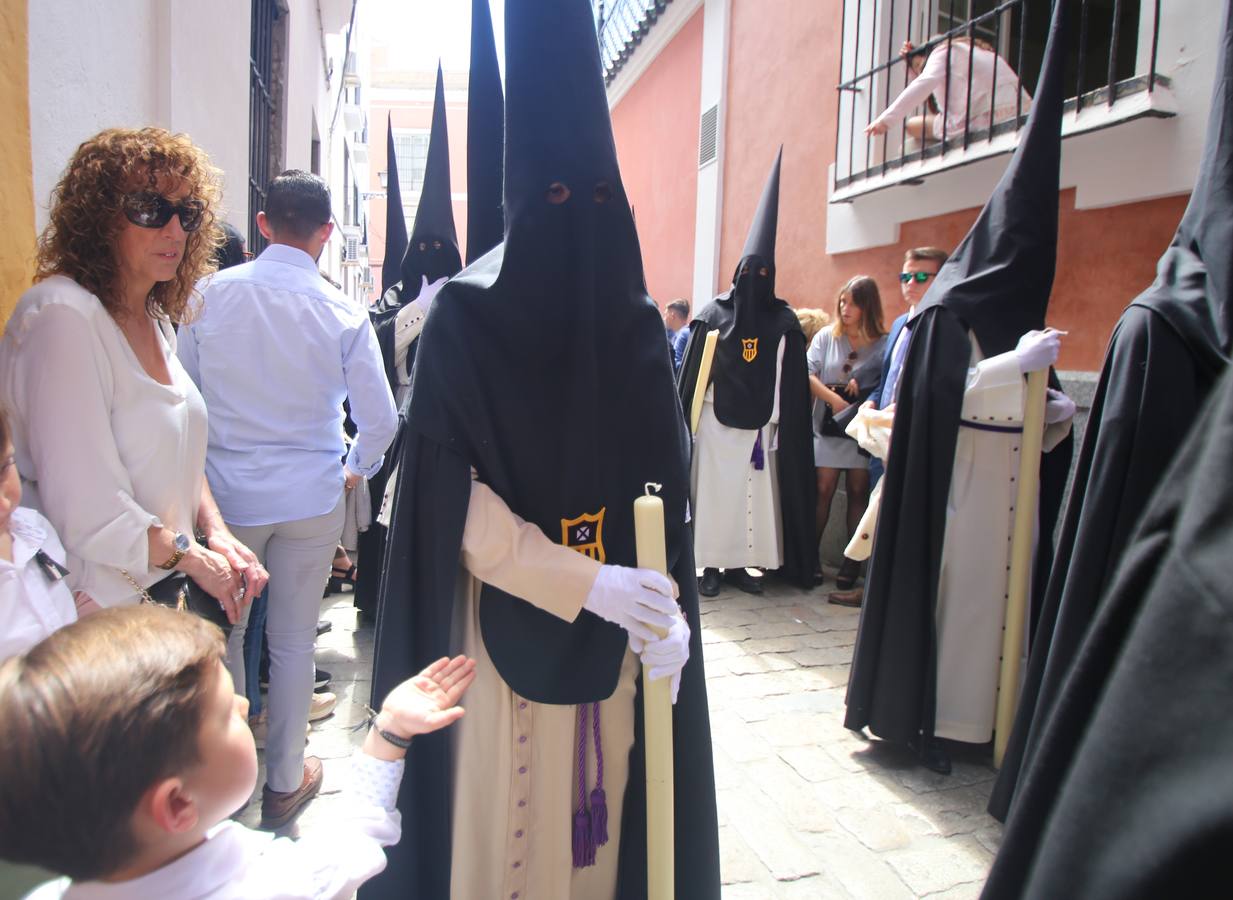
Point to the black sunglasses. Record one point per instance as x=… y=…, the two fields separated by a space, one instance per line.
x=921 y=277
x=151 y=210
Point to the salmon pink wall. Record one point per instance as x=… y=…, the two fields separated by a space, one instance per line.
x=656 y=128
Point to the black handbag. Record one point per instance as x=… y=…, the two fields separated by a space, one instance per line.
x=829 y=427
x=178 y=591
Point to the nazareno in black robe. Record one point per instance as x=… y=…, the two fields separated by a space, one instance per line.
x=1130 y=790
x=996 y=285
x=745 y=389
x=434 y=223
x=542 y=366
x=1168 y=349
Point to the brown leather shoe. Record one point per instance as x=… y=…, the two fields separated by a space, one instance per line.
x=846 y=598
x=280 y=807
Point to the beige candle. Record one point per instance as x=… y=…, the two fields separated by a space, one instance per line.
x=657 y=718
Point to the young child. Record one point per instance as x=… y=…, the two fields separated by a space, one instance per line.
x=125 y=749
x=34 y=600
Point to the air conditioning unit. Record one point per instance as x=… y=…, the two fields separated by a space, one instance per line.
x=353 y=117
x=354 y=249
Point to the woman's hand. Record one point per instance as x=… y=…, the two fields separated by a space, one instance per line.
x=876 y=127
x=214 y=574
x=836 y=402
x=905 y=49
x=242 y=560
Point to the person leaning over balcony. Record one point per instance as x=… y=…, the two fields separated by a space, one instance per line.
x=109 y=432
x=275 y=352
x=928 y=69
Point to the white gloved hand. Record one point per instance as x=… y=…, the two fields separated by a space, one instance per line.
x=638 y=600
x=1058 y=407
x=1038 y=350
x=666 y=657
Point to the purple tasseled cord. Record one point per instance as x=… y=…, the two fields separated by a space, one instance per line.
x=759 y=457
x=584 y=845
x=599 y=801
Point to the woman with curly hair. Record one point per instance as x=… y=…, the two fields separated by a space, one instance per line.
x=109 y=432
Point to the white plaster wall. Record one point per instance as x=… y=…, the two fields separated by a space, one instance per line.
x=179 y=64
x=715 y=37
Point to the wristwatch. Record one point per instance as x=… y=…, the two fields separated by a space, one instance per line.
x=181 y=545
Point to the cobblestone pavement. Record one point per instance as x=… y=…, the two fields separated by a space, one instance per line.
x=806 y=808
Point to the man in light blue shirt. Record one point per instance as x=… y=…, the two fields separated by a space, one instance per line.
x=275 y=352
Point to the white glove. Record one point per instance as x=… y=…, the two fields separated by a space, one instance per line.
x=1038 y=350
x=1058 y=407
x=667 y=656
x=638 y=600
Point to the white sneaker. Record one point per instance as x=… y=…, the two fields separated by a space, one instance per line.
x=322 y=705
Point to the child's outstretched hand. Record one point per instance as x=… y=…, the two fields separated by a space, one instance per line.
x=428 y=701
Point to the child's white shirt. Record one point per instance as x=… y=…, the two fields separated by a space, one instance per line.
x=236 y=863
x=34 y=599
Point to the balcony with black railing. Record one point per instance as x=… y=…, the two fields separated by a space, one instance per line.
x=928 y=85
x=622 y=25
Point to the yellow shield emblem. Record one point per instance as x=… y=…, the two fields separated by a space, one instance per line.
x=586 y=535
x=749 y=349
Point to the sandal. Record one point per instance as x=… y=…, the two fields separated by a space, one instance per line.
x=340 y=576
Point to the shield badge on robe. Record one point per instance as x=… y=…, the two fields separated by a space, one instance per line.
x=749 y=349
x=586 y=534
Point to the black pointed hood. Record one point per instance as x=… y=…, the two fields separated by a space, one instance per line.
x=395 y=220
x=434 y=217
x=543 y=363
x=760 y=242
x=999 y=278
x=751 y=320
x=485 y=138
x=1193 y=289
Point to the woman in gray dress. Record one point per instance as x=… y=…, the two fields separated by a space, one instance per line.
x=834 y=353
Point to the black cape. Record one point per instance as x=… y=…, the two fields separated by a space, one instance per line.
x=1129 y=793
x=996 y=285
x=542 y=367
x=1165 y=354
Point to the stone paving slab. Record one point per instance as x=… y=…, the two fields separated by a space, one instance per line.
x=806 y=808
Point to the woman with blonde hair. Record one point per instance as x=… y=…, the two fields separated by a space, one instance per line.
x=835 y=352
x=109 y=430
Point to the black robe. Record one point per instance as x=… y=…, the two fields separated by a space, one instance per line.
x=1150 y=391
x=1129 y=793
x=797 y=482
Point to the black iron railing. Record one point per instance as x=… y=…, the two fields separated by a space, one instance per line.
x=1110 y=53
x=622 y=25
x=260 y=113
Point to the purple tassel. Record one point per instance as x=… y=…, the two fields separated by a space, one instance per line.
x=599 y=800
x=584 y=846
x=584 y=849
x=759 y=457
x=599 y=817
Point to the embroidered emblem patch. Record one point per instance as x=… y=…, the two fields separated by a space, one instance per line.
x=749 y=349
x=586 y=535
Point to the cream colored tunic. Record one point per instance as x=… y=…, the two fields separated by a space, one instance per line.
x=515 y=761
x=736 y=512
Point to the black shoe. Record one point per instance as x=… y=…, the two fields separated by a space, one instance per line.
x=849 y=571
x=744 y=581
x=323 y=625
x=321 y=680
x=708 y=584
x=930 y=754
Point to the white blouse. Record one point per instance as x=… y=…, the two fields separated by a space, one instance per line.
x=104 y=451
x=34 y=602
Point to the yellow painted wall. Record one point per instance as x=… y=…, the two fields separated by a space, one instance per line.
x=16 y=182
